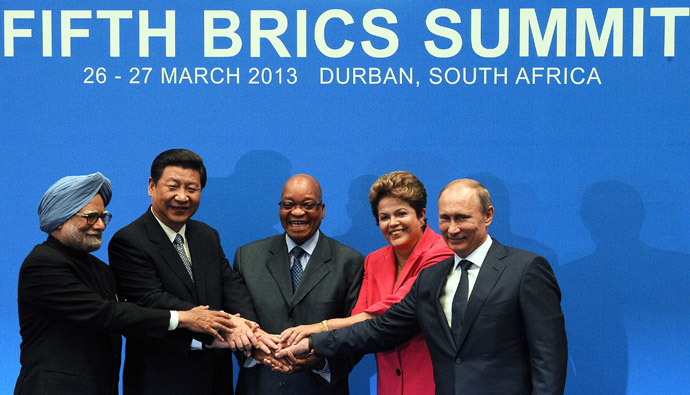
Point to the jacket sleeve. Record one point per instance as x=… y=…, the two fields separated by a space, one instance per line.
x=54 y=285
x=544 y=327
x=397 y=325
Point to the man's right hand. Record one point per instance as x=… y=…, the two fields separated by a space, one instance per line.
x=243 y=337
x=201 y=319
x=277 y=364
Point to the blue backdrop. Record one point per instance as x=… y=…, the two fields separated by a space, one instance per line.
x=575 y=118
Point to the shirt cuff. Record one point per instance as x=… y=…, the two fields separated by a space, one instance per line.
x=325 y=373
x=249 y=362
x=174 y=320
x=196 y=345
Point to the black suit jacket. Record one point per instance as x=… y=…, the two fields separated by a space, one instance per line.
x=70 y=323
x=513 y=337
x=150 y=273
x=328 y=289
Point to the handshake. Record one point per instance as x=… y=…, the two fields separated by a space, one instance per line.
x=285 y=353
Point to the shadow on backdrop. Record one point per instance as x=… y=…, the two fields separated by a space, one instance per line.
x=500 y=226
x=365 y=237
x=626 y=304
x=243 y=207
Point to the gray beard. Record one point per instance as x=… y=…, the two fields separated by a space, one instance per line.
x=82 y=241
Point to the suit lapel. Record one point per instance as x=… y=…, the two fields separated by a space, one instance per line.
x=317 y=269
x=439 y=279
x=167 y=251
x=279 y=267
x=490 y=272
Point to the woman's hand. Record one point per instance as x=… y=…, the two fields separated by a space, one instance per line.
x=293 y=335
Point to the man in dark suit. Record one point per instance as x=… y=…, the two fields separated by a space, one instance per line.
x=291 y=288
x=491 y=315
x=69 y=318
x=166 y=260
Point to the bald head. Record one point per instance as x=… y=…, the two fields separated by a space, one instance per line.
x=302 y=180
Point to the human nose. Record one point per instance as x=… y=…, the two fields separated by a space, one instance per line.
x=298 y=211
x=181 y=195
x=454 y=227
x=100 y=223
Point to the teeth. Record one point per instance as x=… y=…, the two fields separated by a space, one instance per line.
x=396 y=232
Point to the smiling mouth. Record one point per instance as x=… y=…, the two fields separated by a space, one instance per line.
x=397 y=232
x=298 y=223
x=179 y=208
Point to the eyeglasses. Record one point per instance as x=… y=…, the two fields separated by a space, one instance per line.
x=92 y=218
x=306 y=206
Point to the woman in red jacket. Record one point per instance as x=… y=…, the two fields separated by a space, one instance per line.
x=398 y=201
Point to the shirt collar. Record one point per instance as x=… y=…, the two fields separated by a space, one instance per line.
x=169 y=232
x=478 y=255
x=308 y=246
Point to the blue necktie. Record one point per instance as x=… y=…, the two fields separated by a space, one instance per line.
x=296 y=269
x=179 y=246
x=460 y=301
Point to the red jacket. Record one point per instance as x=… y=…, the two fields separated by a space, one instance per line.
x=407 y=368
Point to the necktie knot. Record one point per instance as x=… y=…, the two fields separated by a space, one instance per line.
x=465 y=265
x=178 y=239
x=297 y=252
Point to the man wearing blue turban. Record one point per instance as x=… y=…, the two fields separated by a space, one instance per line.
x=69 y=317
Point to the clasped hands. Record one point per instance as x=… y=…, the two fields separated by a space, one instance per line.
x=284 y=357
x=285 y=353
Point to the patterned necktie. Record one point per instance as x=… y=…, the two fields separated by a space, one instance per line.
x=296 y=269
x=179 y=246
x=460 y=301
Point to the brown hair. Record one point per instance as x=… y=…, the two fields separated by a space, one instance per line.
x=402 y=185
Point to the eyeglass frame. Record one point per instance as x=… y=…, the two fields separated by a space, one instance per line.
x=91 y=219
x=302 y=205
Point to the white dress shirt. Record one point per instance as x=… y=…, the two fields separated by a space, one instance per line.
x=477 y=258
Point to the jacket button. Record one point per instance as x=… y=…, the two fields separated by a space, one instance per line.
x=397 y=371
x=291 y=317
x=458 y=361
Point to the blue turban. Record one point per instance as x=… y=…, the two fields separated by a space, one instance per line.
x=69 y=195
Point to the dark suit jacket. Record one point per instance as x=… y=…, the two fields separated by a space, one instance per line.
x=513 y=337
x=150 y=273
x=70 y=323
x=328 y=289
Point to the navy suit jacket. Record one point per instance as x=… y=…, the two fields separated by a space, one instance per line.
x=513 y=336
x=150 y=273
